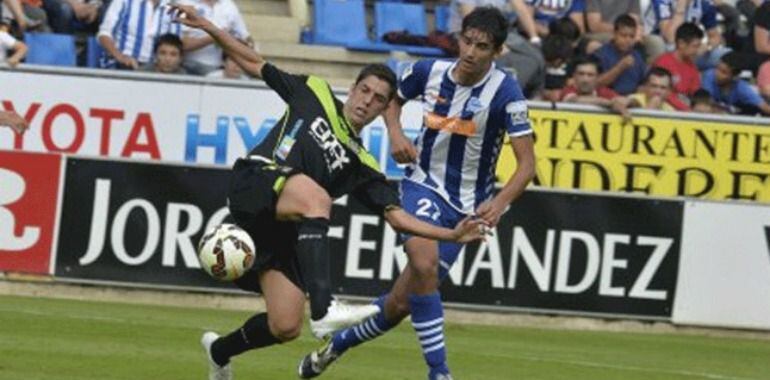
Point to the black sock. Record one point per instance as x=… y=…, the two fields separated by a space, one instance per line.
x=313 y=254
x=255 y=333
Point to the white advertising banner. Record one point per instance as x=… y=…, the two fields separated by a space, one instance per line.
x=724 y=275
x=129 y=115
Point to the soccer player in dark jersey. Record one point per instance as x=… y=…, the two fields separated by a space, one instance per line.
x=282 y=193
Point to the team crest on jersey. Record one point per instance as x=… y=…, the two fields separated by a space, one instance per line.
x=518 y=112
x=474 y=105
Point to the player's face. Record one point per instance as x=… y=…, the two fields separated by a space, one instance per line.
x=366 y=100
x=477 y=51
x=168 y=59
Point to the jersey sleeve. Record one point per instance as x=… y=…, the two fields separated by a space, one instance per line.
x=286 y=85
x=412 y=83
x=513 y=109
x=377 y=194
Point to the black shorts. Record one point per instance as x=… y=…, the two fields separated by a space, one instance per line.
x=254 y=188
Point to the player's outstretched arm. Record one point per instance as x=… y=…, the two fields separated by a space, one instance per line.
x=401 y=148
x=468 y=230
x=524 y=151
x=249 y=60
x=13 y=120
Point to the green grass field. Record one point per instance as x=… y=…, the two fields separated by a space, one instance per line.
x=62 y=340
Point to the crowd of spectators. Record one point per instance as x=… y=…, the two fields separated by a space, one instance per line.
x=132 y=34
x=684 y=55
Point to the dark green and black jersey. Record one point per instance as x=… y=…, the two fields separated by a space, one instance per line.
x=314 y=138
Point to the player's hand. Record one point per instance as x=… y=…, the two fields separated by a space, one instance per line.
x=187 y=15
x=490 y=212
x=15 y=121
x=470 y=229
x=401 y=148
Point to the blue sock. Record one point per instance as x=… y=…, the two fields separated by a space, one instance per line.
x=364 y=332
x=428 y=323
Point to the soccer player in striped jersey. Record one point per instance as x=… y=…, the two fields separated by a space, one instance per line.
x=469 y=105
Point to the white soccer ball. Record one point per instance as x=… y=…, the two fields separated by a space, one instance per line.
x=226 y=252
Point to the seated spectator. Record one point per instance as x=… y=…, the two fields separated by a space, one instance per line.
x=681 y=64
x=38 y=21
x=229 y=70
x=622 y=66
x=542 y=12
x=8 y=42
x=69 y=16
x=655 y=91
x=731 y=92
x=131 y=45
x=202 y=55
x=167 y=55
x=586 y=89
x=673 y=13
x=702 y=102
x=26 y=14
x=557 y=52
x=763 y=80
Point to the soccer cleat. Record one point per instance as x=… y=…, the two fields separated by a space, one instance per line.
x=314 y=363
x=216 y=372
x=339 y=316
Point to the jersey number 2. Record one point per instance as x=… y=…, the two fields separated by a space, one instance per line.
x=424 y=209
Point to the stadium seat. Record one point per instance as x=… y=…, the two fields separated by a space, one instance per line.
x=51 y=49
x=396 y=16
x=94 y=52
x=441 y=13
x=339 y=22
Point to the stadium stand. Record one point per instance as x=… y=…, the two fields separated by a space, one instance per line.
x=51 y=49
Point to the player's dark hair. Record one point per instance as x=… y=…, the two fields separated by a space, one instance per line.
x=625 y=21
x=382 y=72
x=658 y=72
x=688 y=32
x=488 y=20
x=169 y=39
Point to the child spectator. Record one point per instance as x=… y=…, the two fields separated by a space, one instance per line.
x=167 y=55
x=731 y=92
x=622 y=66
x=681 y=64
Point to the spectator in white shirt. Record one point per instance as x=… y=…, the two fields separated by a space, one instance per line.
x=129 y=31
x=202 y=55
x=8 y=42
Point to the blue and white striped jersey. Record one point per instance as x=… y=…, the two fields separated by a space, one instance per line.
x=134 y=25
x=463 y=130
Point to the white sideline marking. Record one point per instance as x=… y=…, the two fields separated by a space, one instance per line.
x=585 y=363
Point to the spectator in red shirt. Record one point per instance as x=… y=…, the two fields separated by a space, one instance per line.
x=586 y=90
x=681 y=64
